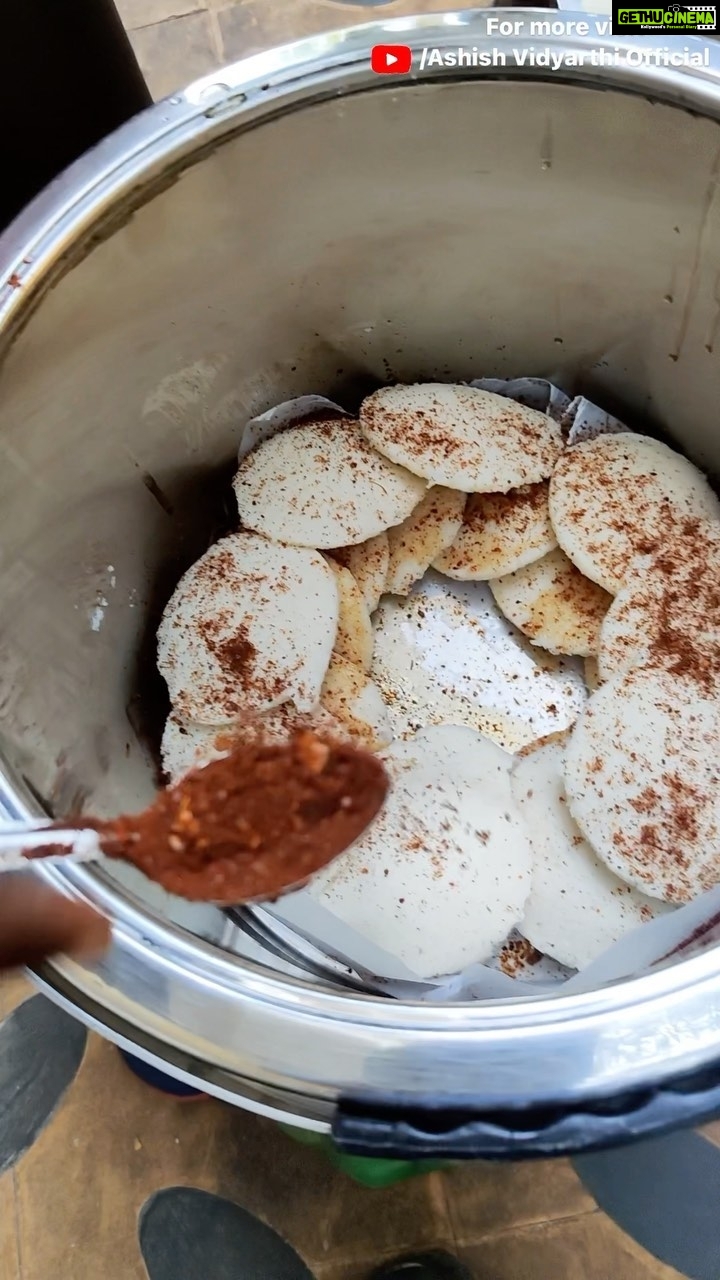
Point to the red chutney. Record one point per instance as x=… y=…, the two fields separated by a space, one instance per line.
x=257 y=822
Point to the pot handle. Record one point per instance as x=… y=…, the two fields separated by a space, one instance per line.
x=434 y=1128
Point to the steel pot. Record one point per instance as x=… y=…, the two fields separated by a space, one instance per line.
x=299 y=224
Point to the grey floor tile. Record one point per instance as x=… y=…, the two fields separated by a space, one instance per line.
x=487 y=1198
x=173 y=53
x=590 y=1247
x=143 y=13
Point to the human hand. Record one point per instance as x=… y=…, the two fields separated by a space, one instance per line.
x=36 y=922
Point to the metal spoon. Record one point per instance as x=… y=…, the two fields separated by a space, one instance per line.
x=18 y=841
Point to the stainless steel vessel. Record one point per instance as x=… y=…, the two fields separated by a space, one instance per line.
x=295 y=224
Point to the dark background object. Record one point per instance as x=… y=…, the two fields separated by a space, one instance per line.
x=41 y=1049
x=435 y=1129
x=69 y=78
x=665 y=1194
x=185 y=1233
x=158 y=1080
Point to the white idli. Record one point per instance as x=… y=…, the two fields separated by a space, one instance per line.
x=577 y=908
x=462 y=437
x=668 y=614
x=445 y=655
x=642 y=776
x=249 y=626
x=186 y=746
x=500 y=533
x=355 y=638
x=368 y=563
x=443 y=873
x=357 y=703
x=415 y=543
x=617 y=497
x=553 y=605
x=322 y=485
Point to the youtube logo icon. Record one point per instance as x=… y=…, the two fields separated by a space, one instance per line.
x=391 y=59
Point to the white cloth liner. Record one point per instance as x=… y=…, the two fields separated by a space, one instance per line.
x=686 y=931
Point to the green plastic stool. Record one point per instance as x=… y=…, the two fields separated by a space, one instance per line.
x=366 y=1170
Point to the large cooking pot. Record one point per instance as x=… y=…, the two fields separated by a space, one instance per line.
x=302 y=224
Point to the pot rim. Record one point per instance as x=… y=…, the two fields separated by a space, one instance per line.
x=227 y=1013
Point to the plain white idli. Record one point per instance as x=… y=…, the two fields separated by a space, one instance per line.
x=188 y=746
x=444 y=872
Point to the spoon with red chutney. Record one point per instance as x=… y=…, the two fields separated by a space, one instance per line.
x=246 y=827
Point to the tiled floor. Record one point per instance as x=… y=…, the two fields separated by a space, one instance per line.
x=69 y=1204
x=178 y=40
